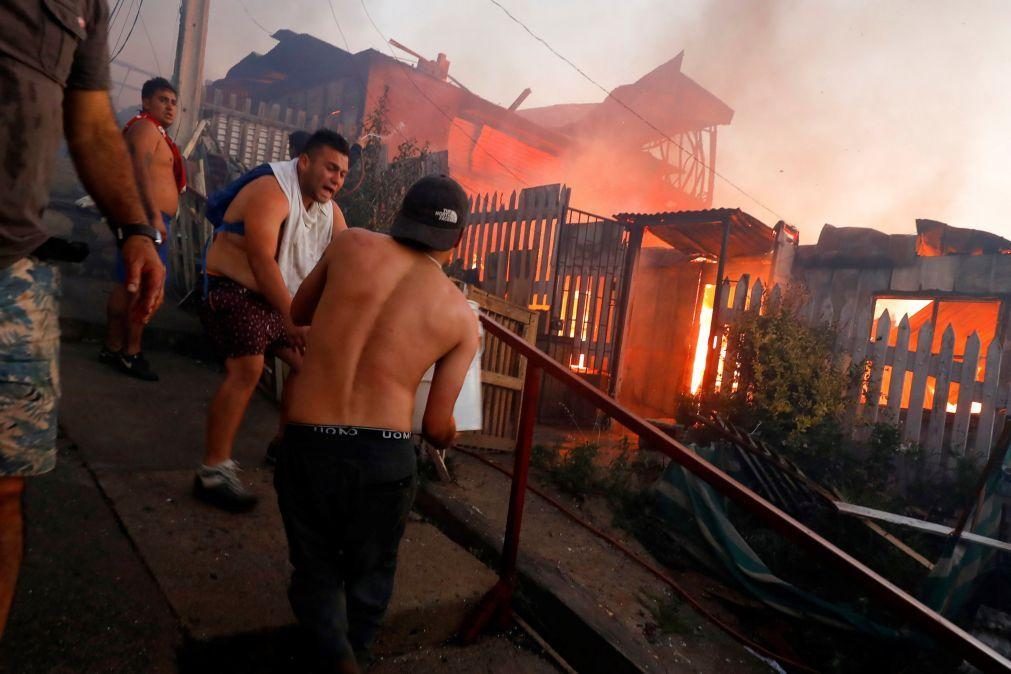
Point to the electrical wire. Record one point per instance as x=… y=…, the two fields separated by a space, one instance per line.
x=354 y=71
x=344 y=37
x=115 y=9
x=122 y=27
x=634 y=112
x=656 y=572
x=445 y=114
x=253 y=18
x=136 y=16
x=150 y=43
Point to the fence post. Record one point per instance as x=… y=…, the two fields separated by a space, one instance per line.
x=497 y=603
x=934 y=443
x=521 y=469
x=991 y=382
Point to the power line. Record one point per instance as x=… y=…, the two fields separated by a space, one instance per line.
x=150 y=43
x=112 y=14
x=253 y=18
x=122 y=24
x=140 y=6
x=354 y=66
x=339 y=29
x=633 y=111
x=445 y=114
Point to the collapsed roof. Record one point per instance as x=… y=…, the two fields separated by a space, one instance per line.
x=669 y=99
x=863 y=247
x=672 y=102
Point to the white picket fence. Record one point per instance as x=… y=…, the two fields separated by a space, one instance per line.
x=894 y=373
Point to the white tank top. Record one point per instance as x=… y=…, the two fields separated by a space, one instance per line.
x=305 y=234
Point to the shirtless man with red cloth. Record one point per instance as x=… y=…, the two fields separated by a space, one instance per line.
x=161 y=175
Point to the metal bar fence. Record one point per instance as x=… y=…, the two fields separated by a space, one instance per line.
x=497 y=602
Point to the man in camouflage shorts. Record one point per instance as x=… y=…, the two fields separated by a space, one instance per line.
x=54 y=75
x=29 y=380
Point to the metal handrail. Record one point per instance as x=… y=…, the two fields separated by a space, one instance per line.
x=497 y=603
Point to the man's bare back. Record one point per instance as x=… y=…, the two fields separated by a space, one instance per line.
x=381 y=315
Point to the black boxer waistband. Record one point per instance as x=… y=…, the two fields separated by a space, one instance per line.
x=316 y=432
x=378 y=455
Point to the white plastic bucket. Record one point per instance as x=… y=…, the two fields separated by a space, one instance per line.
x=467 y=411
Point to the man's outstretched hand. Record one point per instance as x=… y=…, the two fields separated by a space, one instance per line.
x=145 y=277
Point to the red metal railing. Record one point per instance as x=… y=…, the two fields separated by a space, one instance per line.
x=496 y=604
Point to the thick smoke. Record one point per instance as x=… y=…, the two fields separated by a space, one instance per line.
x=854 y=113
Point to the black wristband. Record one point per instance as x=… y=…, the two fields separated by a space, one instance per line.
x=121 y=232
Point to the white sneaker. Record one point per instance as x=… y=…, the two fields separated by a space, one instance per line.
x=221 y=487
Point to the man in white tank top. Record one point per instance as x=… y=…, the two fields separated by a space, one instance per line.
x=271 y=227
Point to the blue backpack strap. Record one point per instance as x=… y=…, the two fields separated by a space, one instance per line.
x=218 y=203
x=217 y=206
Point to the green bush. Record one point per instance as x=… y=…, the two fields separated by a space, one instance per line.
x=575 y=472
x=792 y=382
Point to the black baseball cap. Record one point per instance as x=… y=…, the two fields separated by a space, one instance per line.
x=433 y=214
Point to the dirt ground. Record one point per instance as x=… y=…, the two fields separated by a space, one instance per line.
x=679 y=639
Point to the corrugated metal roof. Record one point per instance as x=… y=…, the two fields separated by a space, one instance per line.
x=701 y=232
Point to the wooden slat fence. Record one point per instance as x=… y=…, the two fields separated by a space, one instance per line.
x=253 y=136
x=911 y=387
x=502 y=373
x=510 y=243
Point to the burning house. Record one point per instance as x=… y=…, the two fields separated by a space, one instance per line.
x=607 y=154
x=639 y=303
x=673 y=308
x=929 y=312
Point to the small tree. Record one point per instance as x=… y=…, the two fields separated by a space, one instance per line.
x=373 y=199
x=793 y=384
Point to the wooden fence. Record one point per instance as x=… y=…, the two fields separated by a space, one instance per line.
x=949 y=401
x=509 y=246
x=253 y=136
x=502 y=373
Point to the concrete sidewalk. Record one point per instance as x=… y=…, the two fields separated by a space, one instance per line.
x=126 y=572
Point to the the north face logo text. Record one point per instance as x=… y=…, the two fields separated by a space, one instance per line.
x=446 y=215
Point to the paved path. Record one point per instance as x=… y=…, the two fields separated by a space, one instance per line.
x=126 y=572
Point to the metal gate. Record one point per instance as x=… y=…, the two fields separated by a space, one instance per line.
x=587 y=309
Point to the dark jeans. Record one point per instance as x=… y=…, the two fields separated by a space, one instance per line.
x=344 y=495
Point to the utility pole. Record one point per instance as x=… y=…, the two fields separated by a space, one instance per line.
x=188 y=75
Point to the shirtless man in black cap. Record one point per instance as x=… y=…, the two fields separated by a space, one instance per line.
x=382 y=312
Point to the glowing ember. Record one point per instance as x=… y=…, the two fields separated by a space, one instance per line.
x=976 y=408
x=580 y=365
x=702 y=342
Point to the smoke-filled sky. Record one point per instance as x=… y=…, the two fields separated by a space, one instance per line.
x=850 y=112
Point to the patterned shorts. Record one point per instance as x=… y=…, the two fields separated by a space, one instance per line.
x=29 y=377
x=239 y=321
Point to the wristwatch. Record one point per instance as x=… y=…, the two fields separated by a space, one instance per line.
x=123 y=231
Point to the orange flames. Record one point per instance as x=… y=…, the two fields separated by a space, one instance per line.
x=702 y=341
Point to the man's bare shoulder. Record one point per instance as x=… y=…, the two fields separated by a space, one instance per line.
x=339 y=222
x=458 y=308
x=143 y=134
x=263 y=194
x=355 y=239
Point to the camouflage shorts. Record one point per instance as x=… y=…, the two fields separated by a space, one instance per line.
x=29 y=380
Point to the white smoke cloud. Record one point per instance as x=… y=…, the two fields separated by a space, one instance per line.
x=854 y=113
